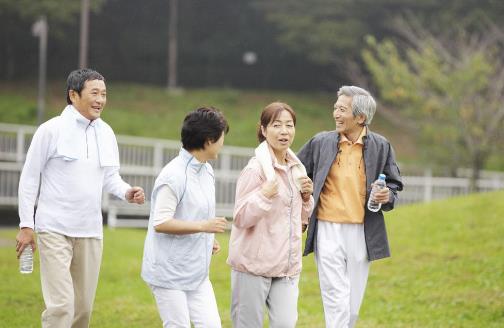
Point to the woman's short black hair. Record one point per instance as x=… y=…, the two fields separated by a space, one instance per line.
x=202 y=125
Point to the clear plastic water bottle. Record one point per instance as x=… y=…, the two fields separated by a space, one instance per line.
x=26 y=260
x=378 y=184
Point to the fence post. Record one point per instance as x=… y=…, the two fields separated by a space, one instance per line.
x=428 y=186
x=20 y=141
x=225 y=162
x=111 y=211
x=158 y=157
x=112 y=217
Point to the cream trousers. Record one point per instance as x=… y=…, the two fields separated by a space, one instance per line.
x=69 y=269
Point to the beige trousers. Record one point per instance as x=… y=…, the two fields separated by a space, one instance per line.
x=69 y=269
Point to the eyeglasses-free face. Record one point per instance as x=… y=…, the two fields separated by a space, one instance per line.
x=346 y=122
x=92 y=100
x=280 y=133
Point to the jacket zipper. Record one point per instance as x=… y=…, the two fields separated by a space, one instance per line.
x=289 y=180
x=206 y=234
x=87 y=146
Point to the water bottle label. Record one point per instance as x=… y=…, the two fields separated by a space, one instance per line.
x=378 y=184
x=26 y=261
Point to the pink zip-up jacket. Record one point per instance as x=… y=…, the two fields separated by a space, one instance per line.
x=266 y=233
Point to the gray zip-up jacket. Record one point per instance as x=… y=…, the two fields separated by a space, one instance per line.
x=318 y=155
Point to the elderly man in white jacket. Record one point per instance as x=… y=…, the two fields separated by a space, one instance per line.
x=72 y=158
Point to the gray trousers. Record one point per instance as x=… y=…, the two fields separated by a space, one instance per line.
x=250 y=293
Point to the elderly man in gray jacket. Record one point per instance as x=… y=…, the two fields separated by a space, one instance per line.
x=344 y=234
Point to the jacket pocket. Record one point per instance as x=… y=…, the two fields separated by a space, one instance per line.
x=250 y=246
x=181 y=247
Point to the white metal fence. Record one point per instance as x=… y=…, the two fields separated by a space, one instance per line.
x=143 y=158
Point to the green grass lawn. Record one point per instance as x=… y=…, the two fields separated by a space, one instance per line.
x=149 y=111
x=447 y=270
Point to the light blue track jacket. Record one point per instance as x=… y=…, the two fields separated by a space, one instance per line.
x=181 y=261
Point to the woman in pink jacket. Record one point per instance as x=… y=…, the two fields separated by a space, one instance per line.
x=273 y=204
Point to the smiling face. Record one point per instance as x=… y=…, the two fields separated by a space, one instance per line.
x=280 y=133
x=92 y=100
x=346 y=122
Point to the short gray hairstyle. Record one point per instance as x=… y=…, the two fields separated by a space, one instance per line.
x=362 y=101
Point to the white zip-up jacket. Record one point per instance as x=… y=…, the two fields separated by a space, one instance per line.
x=73 y=160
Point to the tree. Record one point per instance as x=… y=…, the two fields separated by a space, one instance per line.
x=172 y=46
x=56 y=11
x=451 y=84
x=84 y=34
x=16 y=17
x=333 y=31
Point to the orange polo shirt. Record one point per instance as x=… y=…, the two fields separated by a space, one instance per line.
x=344 y=194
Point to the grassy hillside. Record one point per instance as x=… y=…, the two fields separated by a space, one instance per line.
x=150 y=111
x=446 y=270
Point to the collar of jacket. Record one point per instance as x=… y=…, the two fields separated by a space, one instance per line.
x=192 y=162
x=72 y=144
x=364 y=138
x=266 y=158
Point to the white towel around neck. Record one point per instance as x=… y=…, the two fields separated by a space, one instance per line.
x=264 y=156
x=72 y=145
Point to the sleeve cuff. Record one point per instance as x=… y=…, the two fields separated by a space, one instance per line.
x=27 y=225
x=126 y=187
x=264 y=202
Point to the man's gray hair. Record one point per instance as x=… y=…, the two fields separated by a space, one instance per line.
x=362 y=101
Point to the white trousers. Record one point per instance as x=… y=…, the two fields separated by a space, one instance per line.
x=178 y=308
x=250 y=293
x=343 y=268
x=69 y=269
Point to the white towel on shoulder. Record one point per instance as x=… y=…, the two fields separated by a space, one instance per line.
x=72 y=144
x=264 y=156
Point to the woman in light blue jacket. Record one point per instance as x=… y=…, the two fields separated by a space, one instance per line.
x=180 y=238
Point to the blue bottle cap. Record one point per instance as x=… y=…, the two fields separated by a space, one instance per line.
x=381 y=176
